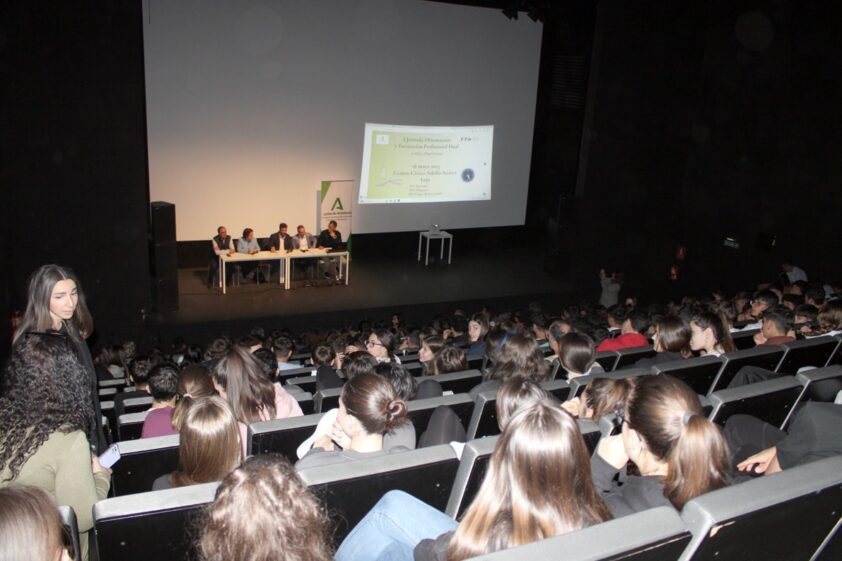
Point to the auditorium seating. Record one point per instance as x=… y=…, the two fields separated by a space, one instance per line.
x=414 y=368
x=141 y=462
x=656 y=534
x=456 y=382
x=119 y=383
x=744 y=339
x=607 y=359
x=627 y=357
x=787 y=515
x=771 y=401
x=836 y=357
x=282 y=436
x=285 y=375
x=821 y=384
x=158 y=525
x=71 y=528
x=306 y=383
x=762 y=357
x=578 y=384
x=558 y=389
x=469 y=476
x=483 y=420
x=813 y=352
x=698 y=373
x=106 y=392
x=327 y=399
x=130 y=426
x=350 y=489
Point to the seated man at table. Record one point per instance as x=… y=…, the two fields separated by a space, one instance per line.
x=279 y=241
x=221 y=244
x=331 y=238
x=247 y=244
x=303 y=240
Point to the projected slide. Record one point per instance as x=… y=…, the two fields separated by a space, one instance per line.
x=404 y=164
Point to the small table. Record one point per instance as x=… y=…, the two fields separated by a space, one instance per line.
x=317 y=253
x=440 y=235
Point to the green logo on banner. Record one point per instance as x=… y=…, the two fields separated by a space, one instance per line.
x=337 y=204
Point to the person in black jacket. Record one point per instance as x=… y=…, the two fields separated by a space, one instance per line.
x=679 y=452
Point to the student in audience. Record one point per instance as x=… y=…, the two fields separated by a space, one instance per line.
x=540 y=449
x=576 y=355
x=209 y=445
x=323 y=358
x=710 y=335
x=814 y=295
x=55 y=303
x=515 y=395
x=679 y=453
x=30 y=526
x=672 y=342
x=611 y=285
x=518 y=355
x=369 y=407
x=194 y=383
x=430 y=346
x=240 y=380
x=44 y=422
x=163 y=387
x=760 y=302
x=477 y=330
x=601 y=397
x=283 y=348
x=138 y=372
x=632 y=334
x=381 y=345
x=804 y=315
x=829 y=320
x=448 y=359
x=456 y=333
x=792 y=272
x=776 y=327
x=538 y=325
x=264 y=512
x=358 y=362
x=404 y=383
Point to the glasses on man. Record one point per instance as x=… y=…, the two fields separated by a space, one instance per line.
x=373 y=344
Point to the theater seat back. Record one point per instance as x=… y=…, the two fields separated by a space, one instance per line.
x=141 y=462
x=813 y=352
x=762 y=357
x=788 y=515
x=698 y=373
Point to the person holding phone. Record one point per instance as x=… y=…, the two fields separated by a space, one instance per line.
x=44 y=426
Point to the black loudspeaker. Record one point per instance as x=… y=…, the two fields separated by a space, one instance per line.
x=163 y=256
x=162 y=222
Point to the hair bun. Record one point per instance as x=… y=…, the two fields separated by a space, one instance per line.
x=394 y=414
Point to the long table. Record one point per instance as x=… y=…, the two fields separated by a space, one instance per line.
x=286 y=257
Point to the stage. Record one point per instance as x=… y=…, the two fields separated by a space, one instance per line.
x=503 y=279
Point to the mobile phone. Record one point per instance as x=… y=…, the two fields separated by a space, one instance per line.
x=110 y=456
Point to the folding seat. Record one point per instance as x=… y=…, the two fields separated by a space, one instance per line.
x=456 y=382
x=157 y=525
x=118 y=383
x=414 y=368
x=555 y=369
x=836 y=357
x=813 y=352
x=327 y=399
x=107 y=409
x=106 y=393
x=762 y=357
x=627 y=357
x=409 y=357
x=349 y=490
x=141 y=462
x=607 y=359
x=306 y=401
x=130 y=426
x=559 y=389
x=282 y=436
x=306 y=383
x=698 y=373
x=771 y=401
x=284 y=375
x=744 y=339
x=483 y=420
x=591 y=432
x=420 y=410
x=787 y=515
x=657 y=534
x=821 y=384
x=469 y=476
x=578 y=384
x=137 y=404
x=476 y=363
x=68 y=520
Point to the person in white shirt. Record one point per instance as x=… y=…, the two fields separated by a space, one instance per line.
x=793 y=272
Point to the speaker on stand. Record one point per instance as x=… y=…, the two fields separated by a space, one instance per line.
x=163 y=256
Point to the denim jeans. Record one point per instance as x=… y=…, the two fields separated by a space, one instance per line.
x=391 y=530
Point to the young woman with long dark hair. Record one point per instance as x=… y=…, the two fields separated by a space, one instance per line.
x=540 y=448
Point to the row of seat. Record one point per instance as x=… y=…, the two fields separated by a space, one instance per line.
x=791 y=515
x=773 y=401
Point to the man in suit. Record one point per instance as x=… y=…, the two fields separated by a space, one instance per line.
x=221 y=244
x=303 y=240
x=280 y=240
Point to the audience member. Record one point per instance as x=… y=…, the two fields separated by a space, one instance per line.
x=264 y=512
x=518 y=355
x=163 y=387
x=138 y=372
x=194 y=383
x=576 y=355
x=672 y=342
x=541 y=448
x=209 y=445
x=776 y=327
x=710 y=335
x=358 y=362
x=601 y=397
x=381 y=345
x=30 y=526
x=611 y=285
x=477 y=330
x=680 y=454
x=283 y=348
x=632 y=334
x=448 y=359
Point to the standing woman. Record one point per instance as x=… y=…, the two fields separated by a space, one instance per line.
x=55 y=303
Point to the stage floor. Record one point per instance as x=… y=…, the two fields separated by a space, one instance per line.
x=398 y=283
